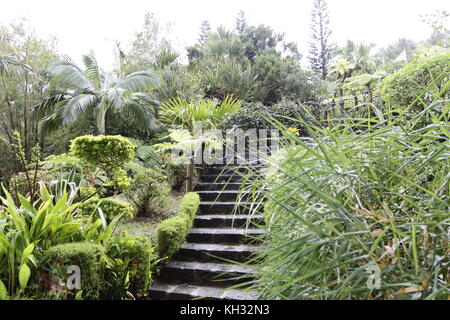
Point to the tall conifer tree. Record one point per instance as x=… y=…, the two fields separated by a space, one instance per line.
x=321 y=48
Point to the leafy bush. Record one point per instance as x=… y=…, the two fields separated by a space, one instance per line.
x=175 y=173
x=110 y=153
x=111 y=208
x=344 y=207
x=130 y=261
x=176 y=81
x=257 y=115
x=103 y=151
x=172 y=232
x=87 y=256
x=418 y=82
x=85 y=193
x=284 y=78
x=39 y=241
x=149 y=192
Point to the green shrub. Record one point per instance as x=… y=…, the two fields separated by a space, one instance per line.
x=103 y=151
x=149 y=192
x=417 y=83
x=172 y=232
x=190 y=205
x=87 y=256
x=130 y=258
x=110 y=207
x=86 y=192
x=110 y=153
x=284 y=78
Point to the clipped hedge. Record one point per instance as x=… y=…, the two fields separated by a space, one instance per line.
x=416 y=79
x=109 y=153
x=172 y=232
x=87 y=256
x=103 y=151
x=110 y=207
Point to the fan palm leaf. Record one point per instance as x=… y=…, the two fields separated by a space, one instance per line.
x=185 y=113
x=93 y=89
x=68 y=76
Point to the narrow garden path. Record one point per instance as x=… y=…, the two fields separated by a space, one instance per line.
x=200 y=269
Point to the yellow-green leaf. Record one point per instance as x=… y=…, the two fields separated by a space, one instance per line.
x=24 y=276
x=3 y=291
x=27 y=252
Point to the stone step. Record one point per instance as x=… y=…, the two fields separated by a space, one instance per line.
x=241 y=162
x=222 y=178
x=203 y=252
x=227 y=221
x=223 y=169
x=160 y=291
x=224 y=235
x=227 y=207
x=205 y=273
x=224 y=195
x=205 y=186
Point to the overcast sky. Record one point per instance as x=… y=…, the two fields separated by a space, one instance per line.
x=84 y=25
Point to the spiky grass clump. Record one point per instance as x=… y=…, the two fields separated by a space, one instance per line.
x=360 y=215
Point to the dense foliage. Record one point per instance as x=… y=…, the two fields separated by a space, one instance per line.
x=256 y=116
x=39 y=242
x=360 y=216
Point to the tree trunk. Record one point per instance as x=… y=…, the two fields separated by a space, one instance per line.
x=101 y=119
x=190 y=176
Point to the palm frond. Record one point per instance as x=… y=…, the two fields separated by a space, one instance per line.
x=93 y=71
x=139 y=81
x=47 y=106
x=142 y=114
x=66 y=74
x=75 y=106
x=9 y=64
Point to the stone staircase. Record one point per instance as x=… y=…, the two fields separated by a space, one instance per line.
x=222 y=233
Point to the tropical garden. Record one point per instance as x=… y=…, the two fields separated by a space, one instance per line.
x=357 y=192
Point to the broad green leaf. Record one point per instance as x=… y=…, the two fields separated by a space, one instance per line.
x=27 y=253
x=24 y=276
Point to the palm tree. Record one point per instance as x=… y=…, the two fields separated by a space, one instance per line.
x=189 y=115
x=359 y=56
x=93 y=90
x=7 y=64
